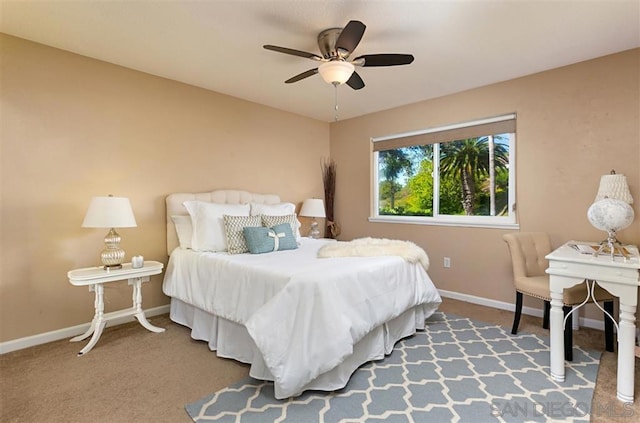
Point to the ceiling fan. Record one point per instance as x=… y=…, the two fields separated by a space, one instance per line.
x=336 y=45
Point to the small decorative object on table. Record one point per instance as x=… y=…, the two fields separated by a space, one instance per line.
x=137 y=262
x=586 y=248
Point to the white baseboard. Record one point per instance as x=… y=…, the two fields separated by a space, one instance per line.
x=43 y=338
x=583 y=321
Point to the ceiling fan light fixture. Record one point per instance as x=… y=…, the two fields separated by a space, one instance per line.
x=336 y=71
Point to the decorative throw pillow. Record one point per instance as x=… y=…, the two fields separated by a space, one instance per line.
x=291 y=219
x=184 y=230
x=280 y=209
x=266 y=240
x=233 y=226
x=208 y=226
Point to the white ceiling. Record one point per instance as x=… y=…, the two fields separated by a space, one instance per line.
x=217 y=45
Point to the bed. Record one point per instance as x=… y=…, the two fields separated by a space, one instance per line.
x=300 y=321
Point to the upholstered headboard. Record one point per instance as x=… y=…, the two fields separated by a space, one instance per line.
x=175 y=206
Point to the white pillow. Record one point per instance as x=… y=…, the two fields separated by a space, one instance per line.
x=208 y=225
x=184 y=230
x=280 y=209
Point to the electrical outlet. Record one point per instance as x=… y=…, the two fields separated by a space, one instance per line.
x=447 y=262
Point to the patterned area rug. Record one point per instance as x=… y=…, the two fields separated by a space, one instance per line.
x=456 y=370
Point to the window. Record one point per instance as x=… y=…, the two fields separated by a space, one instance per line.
x=462 y=174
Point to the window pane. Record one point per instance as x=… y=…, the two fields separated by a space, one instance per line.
x=405 y=181
x=474 y=176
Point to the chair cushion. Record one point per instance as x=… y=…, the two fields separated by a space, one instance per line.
x=538 y=286
x=535 y=286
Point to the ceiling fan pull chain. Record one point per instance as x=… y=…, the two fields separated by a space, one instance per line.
x=335 y=117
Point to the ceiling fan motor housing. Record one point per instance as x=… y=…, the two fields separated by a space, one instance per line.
x=327 y=44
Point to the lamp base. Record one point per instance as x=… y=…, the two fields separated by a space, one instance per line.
x=112 y=267
x=612 y=246
x=112 y=256
x=314 y=232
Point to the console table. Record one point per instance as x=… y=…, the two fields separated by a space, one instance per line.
x=619 y=276
x=95 y=278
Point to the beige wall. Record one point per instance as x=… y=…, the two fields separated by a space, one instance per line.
x=574 y=124
x=73 y=128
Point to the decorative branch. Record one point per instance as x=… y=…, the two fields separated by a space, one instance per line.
x=329 y=181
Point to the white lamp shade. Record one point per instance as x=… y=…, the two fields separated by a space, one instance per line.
x=336 y=71
x=312 y=207
x=109 y=212
x=614 y=186
x=610 y=214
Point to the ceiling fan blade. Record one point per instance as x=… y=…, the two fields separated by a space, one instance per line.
x=293 y=52
x=350 y=36
x=355 y=81
x=302 y=75
x=384 y=59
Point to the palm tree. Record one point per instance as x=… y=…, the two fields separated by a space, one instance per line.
x=469 y=160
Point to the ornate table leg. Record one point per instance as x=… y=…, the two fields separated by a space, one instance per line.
x=557 y=336
x=626 y=350
x=98 y=322
x=92 y=327
x=85 y=335
x=137 y=305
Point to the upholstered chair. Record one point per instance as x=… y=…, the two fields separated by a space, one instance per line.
x=528 y=251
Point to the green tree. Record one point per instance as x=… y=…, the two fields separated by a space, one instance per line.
x=393 y=163
x=387 y=191
x=450 y=194
x=468 y=159
x=501 y=197
x=420 y=199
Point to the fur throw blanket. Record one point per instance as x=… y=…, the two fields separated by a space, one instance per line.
x=371 y=247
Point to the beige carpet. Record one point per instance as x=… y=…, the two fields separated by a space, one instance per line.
x=133 y=375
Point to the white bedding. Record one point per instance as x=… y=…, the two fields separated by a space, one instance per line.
x=304 y=313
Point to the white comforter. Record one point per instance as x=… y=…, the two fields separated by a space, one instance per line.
x=304 y=313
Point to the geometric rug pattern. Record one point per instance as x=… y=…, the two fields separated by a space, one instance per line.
x=456 y=370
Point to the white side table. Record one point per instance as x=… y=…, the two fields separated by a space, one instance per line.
x=620 y=277
x=95 y=278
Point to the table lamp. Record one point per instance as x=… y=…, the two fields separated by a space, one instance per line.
x=110 y=212
x=611 y=211
x=313 y=207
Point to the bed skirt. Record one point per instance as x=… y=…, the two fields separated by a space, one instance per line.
x=231 y=340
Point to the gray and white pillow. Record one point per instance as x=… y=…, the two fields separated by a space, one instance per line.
x=233 y=228
x=292 y=219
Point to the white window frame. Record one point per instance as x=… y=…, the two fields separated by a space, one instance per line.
x=501 y=222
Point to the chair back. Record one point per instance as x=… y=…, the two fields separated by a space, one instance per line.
x=528 y=250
